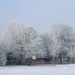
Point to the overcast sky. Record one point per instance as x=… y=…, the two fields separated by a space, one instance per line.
x=40 y=14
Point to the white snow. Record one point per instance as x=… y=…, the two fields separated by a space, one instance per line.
x=38 y=70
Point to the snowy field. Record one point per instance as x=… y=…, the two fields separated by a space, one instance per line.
x=38 y=70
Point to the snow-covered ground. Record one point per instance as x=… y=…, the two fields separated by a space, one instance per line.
x=38 y=70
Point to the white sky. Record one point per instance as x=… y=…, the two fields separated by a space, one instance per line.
x=40 y=14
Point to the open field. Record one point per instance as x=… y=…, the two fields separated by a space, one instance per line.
x=38 y=70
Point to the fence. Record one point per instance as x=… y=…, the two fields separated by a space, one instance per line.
x=42 y=64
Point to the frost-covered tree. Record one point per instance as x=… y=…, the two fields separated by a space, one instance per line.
x=3 y=47
x=47 y=43
x=50 y=44
x=24 y=40
x=64 y=35
x=19 y=42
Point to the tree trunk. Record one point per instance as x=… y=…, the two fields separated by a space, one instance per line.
x=53 y=58
x=62 y=58
x=71 y=60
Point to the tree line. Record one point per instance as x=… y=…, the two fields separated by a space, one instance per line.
x=19 y=42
